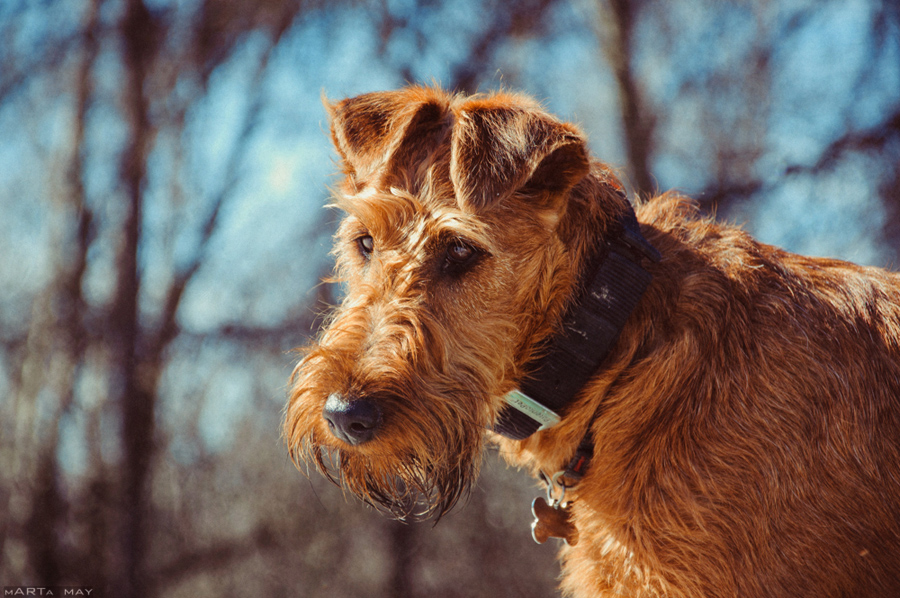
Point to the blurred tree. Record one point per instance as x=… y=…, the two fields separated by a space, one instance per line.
x=67 y=331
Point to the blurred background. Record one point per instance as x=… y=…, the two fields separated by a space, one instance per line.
x=163 y=167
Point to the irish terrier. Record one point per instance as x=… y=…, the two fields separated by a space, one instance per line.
x=713 y=417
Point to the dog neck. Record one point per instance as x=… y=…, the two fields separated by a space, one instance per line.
x=608 y=293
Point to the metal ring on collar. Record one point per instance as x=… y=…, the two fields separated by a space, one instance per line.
x=554 y=483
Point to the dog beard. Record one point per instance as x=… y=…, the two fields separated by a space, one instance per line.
x=409 y=485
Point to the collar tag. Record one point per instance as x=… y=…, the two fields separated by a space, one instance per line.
x=519 y=401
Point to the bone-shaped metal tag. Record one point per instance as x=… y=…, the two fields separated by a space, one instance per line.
x=551 y=522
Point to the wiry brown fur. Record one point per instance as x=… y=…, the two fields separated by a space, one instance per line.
x=748 y=442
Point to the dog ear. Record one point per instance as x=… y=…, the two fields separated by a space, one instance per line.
x=501 y=145
x=386 y=131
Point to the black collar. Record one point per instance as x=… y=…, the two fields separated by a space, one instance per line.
x=610 y=292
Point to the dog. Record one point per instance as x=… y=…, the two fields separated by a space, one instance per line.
x=712 y=416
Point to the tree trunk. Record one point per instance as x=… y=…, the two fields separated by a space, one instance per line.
x=136 y=404
x=617 y=28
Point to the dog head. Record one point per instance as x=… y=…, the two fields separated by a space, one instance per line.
x=467 y=221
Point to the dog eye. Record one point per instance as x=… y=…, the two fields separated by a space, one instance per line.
x=460 y=256
x=366 y=245
x=459 y=252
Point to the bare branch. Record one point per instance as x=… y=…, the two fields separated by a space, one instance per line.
x=168 y=326
x=527 y=17
x=47 y=57
x=872 y=139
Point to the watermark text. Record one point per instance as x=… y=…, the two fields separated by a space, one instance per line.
x=48 y=591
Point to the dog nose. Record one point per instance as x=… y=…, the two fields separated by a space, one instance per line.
x=353 y=420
